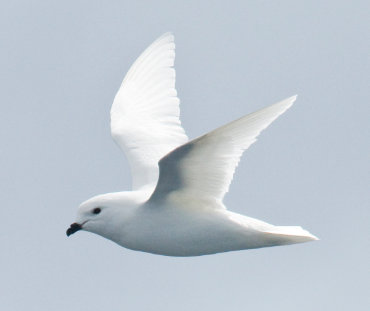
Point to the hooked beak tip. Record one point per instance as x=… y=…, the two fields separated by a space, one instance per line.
x=73 y=228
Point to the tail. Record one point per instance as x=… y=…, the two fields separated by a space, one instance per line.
x=290 y=235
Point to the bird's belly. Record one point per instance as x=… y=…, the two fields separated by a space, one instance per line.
x=186 y=235
x=181 y=243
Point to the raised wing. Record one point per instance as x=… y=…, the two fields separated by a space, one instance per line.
x=145 y=113
x=203 y=168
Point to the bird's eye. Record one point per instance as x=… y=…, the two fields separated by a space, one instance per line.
x=96 y=210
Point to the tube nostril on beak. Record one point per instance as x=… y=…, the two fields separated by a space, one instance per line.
x=73 y=228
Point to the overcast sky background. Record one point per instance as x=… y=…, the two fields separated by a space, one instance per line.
x=61 y=63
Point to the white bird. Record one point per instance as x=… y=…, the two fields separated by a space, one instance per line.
x=176 y=205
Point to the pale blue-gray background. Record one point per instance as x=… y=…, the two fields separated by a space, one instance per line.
x=61 y=65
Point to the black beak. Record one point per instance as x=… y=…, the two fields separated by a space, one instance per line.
x=73 y=228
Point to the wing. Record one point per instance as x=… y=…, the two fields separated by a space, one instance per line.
x=203 y=168
x=145 y=113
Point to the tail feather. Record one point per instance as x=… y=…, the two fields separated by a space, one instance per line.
x=291 y=234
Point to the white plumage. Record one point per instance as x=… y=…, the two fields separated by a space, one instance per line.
x=204 y=167
x=175 y=207
x=145 y=113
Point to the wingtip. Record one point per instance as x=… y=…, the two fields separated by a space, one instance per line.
x=285 y=103
x=292 y=99
x=168 y=34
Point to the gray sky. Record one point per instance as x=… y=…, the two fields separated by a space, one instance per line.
x=61 y=64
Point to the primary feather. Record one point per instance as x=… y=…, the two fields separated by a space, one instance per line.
x=145 y=113
x=204 y=167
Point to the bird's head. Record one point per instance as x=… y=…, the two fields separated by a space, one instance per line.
x=101 y=214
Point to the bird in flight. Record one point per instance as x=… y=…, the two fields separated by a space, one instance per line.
x=175 y=207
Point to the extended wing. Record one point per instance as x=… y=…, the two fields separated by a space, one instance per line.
x=145 y=113
x=203 y=168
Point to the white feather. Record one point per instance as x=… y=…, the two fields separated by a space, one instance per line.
x=204 y=167
x=145 y=113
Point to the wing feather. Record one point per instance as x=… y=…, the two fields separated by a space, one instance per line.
x=203 y=168
x=145 y=113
